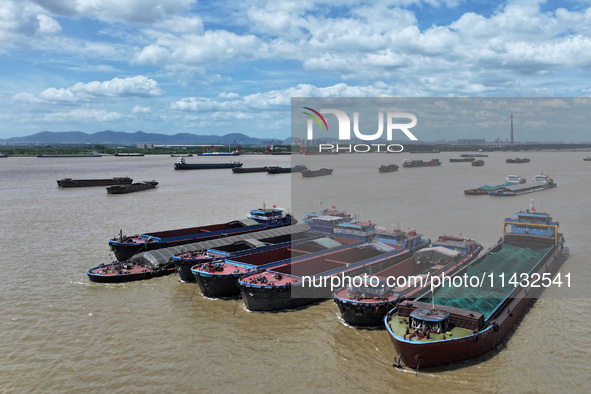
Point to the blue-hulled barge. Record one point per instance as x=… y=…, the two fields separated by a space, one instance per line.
x=186 y=260
x=125 y=247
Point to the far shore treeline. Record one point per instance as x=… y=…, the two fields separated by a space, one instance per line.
x=70 y=149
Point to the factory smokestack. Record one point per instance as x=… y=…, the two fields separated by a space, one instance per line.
x=512 y=141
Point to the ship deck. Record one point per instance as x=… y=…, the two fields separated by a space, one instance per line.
x=494 y=273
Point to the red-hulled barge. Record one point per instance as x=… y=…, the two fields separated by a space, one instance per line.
x=467 y=322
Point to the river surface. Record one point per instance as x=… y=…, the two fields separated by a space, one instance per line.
x=62 y=333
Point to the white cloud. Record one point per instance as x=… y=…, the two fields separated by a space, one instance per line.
x=138 y=109
x=22 y=21
x=138 y=86
x=212 y=47
x=145 y=11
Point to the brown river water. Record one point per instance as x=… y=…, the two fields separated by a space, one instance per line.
x=62 y=333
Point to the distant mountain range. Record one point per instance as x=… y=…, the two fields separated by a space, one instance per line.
x=109 y=137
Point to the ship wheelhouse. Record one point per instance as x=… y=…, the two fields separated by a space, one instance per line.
x=432 y=320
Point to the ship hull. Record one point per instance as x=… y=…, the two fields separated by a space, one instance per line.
x=126 y=251
x=366 y=314
x=266 y=298
x=130 y=277
x=218 y=286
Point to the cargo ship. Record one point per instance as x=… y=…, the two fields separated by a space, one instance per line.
x=366 y=304
x=541 y=182
x=181 y=164
x=125 y=247
x=184 y=261
x=220 y=278
x=295 y=284
x=69 y=182
x=459 y=323
x=485 y=189
x=409 y=163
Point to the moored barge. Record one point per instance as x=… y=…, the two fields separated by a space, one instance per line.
x=125 y=247
x=184 y=261
x=464 y=322
x=128 y=271
x=310 y=279
x=366 y=304
x=220 y=278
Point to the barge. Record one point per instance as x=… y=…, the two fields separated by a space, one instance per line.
x=181 y=164
x=320 y=172
x=131 y=188
x=410 y=163
x=125 y=247
x=128 y=271
x=366 y=304
x=69 y=182
x=295 y=284
x=184 y=261
x=541 y=182
x=458 y=323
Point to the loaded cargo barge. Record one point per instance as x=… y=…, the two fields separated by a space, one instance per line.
x=459 y=323
x=282 y=287
x=125 y=247
x=367 y=304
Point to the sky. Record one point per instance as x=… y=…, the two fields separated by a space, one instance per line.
x=218 y=67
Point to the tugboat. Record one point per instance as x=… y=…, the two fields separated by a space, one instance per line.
x=454 y=324
x=366 y=305
x=125 y=247
x=310 y=279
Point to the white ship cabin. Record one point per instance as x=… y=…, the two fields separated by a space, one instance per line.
x=542 y=179
x=516 y=179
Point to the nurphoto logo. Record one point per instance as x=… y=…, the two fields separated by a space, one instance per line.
x=391 y=124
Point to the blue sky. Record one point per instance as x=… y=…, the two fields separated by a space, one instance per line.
x=216 y=67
